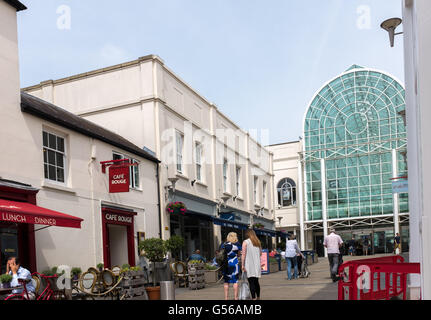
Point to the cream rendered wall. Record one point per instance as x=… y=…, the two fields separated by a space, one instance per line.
x=82 y=196
x=285 y=165
x=145 y=102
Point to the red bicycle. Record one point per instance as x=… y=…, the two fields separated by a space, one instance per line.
x=47 y=283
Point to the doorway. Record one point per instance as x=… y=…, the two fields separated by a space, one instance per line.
x=318 y=245
x=117 y=244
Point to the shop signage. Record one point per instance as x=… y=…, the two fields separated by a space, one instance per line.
x=119 y=179
x=118 y=218
x=264 y=261
x=227 y=216
x=19 y=218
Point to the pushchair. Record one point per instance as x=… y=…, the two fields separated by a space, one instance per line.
x=303 y=267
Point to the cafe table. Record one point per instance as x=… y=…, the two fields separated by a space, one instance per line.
x=5 y=292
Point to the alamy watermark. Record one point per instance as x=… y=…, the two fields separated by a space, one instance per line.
x=363 y=22
x=64 y=21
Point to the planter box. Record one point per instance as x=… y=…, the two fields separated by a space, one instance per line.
x=273 y=267
x=211 y=276
x=283 y=265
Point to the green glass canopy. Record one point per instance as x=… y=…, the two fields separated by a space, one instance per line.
x=354 y=123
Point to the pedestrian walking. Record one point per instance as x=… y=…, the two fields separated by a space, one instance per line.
x=365 y=245
x=333 y=243
x=251 y=264
x=292 y=251
x=397 y=244
x=352 y=246
x=230 y=273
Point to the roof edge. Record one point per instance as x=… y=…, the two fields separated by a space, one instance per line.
x=16 y=4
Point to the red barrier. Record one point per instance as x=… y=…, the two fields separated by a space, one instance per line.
x=375 y=279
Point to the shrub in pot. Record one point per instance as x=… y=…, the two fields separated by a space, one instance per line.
x=154 y=250
x=5 y=280
x=100 y=266
x=174 y=245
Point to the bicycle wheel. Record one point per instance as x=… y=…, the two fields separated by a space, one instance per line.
x=15 y=297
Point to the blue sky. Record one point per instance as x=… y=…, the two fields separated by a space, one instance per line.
x=259 y=61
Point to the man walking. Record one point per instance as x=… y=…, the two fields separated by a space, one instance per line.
x=333 y=242
x=397 y=244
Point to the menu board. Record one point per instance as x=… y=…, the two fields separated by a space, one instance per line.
x=264 y=261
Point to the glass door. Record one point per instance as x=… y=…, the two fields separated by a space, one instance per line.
x=8 y=245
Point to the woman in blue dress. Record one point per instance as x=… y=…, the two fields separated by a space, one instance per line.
x=231 y=271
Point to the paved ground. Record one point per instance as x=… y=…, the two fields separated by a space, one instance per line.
x=276 y=286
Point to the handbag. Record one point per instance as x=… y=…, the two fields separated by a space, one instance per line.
x=244 y=289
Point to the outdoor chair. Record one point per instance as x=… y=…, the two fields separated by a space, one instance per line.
x=179 y=270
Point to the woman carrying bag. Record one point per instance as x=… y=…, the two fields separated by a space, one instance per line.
x=251 y=252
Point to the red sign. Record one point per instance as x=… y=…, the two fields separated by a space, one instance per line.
x=119 y=179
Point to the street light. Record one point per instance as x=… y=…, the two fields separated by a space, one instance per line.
x=390 y=25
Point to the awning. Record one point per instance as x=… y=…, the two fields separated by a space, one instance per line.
x=265 y=232
x=230 y=224
x=22 y=212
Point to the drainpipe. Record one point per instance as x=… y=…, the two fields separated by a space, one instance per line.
x=159 y=200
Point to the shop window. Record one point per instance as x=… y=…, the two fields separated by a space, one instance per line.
x=286 y=190
x=54 y=157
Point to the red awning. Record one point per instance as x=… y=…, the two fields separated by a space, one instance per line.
x=22 y=212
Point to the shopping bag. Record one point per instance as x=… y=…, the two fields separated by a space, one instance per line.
x=244 y=289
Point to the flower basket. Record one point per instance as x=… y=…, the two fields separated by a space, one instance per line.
x=178 y=208
x=258 y=226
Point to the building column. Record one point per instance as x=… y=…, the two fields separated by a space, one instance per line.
x=396 y=196
x=324 y=202
x=299 y=189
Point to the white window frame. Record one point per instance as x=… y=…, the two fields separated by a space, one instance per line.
x=264 y=190
x=179 y=139
x=198 y=160
x=255 y=182
x=238 y=172
x=56 y=151
x=225 y=175
x=133 y=171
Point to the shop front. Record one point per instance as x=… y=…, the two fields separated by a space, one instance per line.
x=195 y=225
x=118 y=236
x=18 y=216
x=233 y=221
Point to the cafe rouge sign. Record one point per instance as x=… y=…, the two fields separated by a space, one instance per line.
x=119 y=179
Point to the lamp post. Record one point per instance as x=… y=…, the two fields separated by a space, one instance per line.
x=390 y=26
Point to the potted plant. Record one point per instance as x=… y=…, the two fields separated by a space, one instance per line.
x=258 y=226
x=5 y=280
x=211 y=273
x=176 y=208
x=100 y=266
x=174 y=245
x=154 y=250
x=75 y=272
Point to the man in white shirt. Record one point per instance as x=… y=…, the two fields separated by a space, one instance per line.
x=333 y=243
x=19 y=273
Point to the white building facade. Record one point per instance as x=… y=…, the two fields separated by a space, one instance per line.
x=417 y=50
x=51 y=158
x=217 y=170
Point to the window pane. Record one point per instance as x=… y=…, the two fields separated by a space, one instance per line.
x=51 y=157
x=60 y=174
x=60 y=161
x=51 y=173
x=60 y=144
x=45 y=139
x=52 y=141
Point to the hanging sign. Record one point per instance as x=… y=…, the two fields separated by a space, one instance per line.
x=119 y=179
